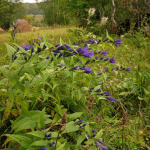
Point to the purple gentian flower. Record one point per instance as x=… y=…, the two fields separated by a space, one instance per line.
x=106 y=59
x=104 y=147
x=27 y=47
x=104 y=53
x=106 y=70
x=47 y=57
x=81 y=120
x=82 y=68
x=128 y=69
x=111 y=99
x=101 y=142
x=87 y=62
x=60 y=48
x=93 y=130
x=52 y=143
x=112 y=69
x=88 y=54
x=43 y=148
x=69 y=48
x=56 y=45
x=87 y=70
x=43 y=128
x=117 y=42
x=82 y=50
x=91 y=41
x=75 y=68
x=101 y=58
x=112 y=60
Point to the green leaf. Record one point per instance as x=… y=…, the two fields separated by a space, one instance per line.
x=99 y=134
x=22 y=140
x=61 y=147
x=10 y=51
x=26 y=125
x=75 y=115
x=41 y=122
x=71 y=127
x=40 y=143
x=80 y=139
x=88 y=130
x=89 y=142
x=93 y=148
x=40 y=134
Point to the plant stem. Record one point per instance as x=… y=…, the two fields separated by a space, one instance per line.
x=57 y=138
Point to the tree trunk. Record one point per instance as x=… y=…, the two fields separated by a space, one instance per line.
x=113 y=22
x=100 y=13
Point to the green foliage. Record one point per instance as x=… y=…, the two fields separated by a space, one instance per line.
x=55 y=12
x=32 y=8
x=10 y=11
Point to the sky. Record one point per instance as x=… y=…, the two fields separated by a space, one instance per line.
x=30 y=1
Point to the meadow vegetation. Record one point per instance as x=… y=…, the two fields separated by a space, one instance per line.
x=121 y=122
x=68 y=88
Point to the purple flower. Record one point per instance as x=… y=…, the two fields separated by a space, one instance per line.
x=93 y=130
x=87 y=62
x=82 y=68
x=91 y=41
x=112 y=69
x=81 y=120
x=47 y=57
x=27 y=47
x=43 y=148
x=69 y=48
x=101 y=58
x=83 y=125
x=104 y=147
x=106 y=70
x=52 y=143
x=82 y=50
x=101 y=142
x=43 y=128
x=49 y=135
x=75 y=68
x=112 y=60
x=99 y=73
x=106 y=59
x=56 y=45
x=104 y=53
x=88 y=54
x=128 y=69
x=39 y=50
x=99 y=90
x=117 y=42
x=87 y=70
x=111 y=99
x=106 y=39
x=60 y=48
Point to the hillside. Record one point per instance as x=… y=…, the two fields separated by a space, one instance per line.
x=32 y=8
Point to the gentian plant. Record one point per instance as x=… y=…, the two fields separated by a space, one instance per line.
x=57 y=77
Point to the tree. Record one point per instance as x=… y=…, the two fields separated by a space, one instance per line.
x=54 y=11
x=9 y=11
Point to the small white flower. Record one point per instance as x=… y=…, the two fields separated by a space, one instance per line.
x=103 y=21
x=91 y=12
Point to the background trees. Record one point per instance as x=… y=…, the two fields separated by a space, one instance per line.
x=10 y=10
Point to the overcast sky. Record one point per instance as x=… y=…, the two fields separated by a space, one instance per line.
x=30 y=1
